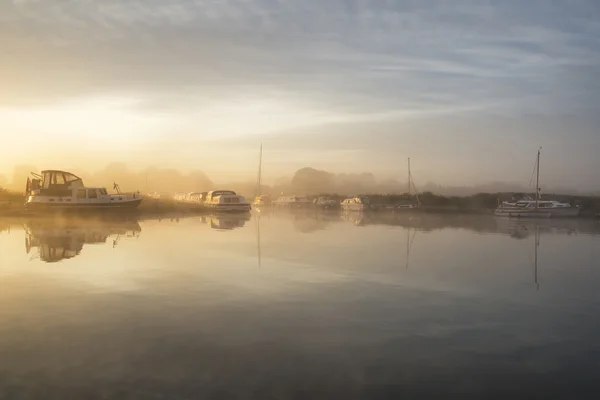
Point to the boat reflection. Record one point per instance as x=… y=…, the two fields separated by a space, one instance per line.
x=227 y=221
x=483 y=224
x=60 y=240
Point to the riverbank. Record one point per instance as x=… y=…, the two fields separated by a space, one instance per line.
x=480 y=204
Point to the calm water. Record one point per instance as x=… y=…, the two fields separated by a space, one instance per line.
x=298 y=306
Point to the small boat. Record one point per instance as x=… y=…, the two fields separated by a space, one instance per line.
x=56 y=190
x=326 y=202
x=536 y=208
x=358 y=203
x=191 y=197
x=226 y=201
x=292 y=201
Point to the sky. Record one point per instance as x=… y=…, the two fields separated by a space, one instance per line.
x=468 y=89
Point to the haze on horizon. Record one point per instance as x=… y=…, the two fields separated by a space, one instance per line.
x=468 y=89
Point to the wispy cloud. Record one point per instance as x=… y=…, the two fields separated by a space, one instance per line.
x=317 y=79
x=347 y=55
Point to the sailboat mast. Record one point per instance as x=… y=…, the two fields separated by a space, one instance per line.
x=537 y=180
x=409 y=177
x=259 y=182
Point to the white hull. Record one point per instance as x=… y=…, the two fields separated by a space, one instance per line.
x=354 y=207
x=537 y=213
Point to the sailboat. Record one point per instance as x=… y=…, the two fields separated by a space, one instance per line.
x=536 y=207
x=411 y=187
x=260 y=199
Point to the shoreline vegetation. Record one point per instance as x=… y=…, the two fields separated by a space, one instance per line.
x=11 y=203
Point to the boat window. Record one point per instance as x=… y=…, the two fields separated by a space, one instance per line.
x=70 y=177
x=80 y=194
x=92 y=194
x=59 y=179
x=46 y=180
x=103 y=192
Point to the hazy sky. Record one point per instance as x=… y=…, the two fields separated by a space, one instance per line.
x=468 y=89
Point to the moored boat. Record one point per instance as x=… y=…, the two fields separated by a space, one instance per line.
x=56 y=190
x=536 y=208
x=412 y=204
x=226 y=201
x=358 y=203
x=292 y=201
x=326 y=202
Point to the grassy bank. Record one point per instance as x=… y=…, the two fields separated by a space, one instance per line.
x=11 y=204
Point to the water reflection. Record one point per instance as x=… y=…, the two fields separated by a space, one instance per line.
x=519 y=229
x=226 y=221
x=56 y=240
x=390 y=307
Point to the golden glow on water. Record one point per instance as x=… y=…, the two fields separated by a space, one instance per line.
x=174 y=299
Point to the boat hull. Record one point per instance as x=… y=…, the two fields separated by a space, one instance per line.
x=539 y=213
x=45 y=207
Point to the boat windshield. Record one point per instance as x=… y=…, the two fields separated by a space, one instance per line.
x=223 y=192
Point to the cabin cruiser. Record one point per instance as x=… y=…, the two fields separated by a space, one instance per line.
x=358 y=203
x=226 y=200
x=56 y=190
x=536 y=208
x=292 y=201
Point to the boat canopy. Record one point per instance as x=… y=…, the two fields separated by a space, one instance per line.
x=56 y=182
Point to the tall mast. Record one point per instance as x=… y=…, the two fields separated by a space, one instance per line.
x=409 y=177
x=259 y=182
x=537 y=180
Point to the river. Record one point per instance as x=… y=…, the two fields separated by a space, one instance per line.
x=299 y=305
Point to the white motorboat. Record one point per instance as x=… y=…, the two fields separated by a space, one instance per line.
x=56 y=190
x=226 y=201
x=358 y=203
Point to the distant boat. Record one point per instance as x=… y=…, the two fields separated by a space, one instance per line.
x=56 y=190
x=326 y=202
x=358 y=203
x=411 y=184
x=292 y=201
x=536 y=208
x=226 y=201
x=191 y=197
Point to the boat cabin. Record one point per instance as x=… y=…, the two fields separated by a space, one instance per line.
x=56 y=183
